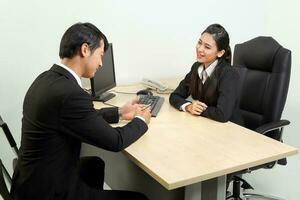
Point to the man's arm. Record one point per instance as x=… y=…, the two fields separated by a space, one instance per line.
x=110 y=115
x=80 y=120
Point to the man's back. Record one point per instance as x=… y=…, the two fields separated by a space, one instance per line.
x=48 y=157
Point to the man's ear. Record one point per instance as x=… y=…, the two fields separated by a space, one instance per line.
x=221 y=53
x=84 y=50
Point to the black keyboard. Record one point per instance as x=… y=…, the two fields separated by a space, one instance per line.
x=155 y=103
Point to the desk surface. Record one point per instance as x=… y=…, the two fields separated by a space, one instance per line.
x=180 y=149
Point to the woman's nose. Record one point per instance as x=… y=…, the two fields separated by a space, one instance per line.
x=199 y=48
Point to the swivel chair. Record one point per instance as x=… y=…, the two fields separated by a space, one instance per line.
x=264 y=67
x=4 y=175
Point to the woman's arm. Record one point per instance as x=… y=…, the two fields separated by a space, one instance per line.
x=178 y=97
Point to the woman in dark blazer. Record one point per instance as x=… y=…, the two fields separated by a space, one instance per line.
x=210 y=89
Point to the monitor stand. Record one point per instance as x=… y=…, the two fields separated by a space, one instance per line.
x=104 y=97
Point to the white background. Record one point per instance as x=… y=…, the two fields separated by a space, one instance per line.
x=154 y=39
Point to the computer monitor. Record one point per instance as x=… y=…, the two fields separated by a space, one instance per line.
x=104 y=78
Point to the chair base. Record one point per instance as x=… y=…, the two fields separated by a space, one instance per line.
x=249 y=196
x=234 y=198
x=252 y=196
x=238 y=195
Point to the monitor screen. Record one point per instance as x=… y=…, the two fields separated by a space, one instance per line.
x=104 y=78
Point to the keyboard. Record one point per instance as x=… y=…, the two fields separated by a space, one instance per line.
x=155 y=103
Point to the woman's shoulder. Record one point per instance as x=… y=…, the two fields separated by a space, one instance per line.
x=224 y=64
x=225 y=69
x=195 y=66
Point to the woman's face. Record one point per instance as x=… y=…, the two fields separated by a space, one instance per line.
x=207 y=50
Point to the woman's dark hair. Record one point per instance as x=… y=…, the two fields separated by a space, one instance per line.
x=221 y=38
x=79 y=34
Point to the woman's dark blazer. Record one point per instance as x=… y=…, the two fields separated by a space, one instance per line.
x=219 y=93
x=58 y=115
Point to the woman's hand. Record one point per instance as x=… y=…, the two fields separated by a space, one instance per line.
x=196 y=107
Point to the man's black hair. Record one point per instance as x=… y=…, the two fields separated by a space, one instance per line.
x=79 y=34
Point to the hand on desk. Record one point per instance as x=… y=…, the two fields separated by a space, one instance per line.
x=132 y=109
x=196 y=107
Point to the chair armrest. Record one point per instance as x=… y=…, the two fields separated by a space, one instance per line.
x=272 y=126
x=1 y=121
x=9 y=136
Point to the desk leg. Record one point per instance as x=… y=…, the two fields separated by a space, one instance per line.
x=213 y=189
x=193 y=192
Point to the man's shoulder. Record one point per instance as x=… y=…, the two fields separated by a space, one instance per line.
x=51 y=84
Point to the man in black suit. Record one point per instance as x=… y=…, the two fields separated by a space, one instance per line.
x=58 y=115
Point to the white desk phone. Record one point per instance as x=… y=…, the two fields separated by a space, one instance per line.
x=158 y=86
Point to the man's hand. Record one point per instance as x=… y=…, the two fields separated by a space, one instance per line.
x=128 y=111
x=144 y=112
x=196 y=108
x=132 y=109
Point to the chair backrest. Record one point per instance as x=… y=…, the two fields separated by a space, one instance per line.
x=264 y=67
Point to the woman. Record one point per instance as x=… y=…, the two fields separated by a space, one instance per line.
x=212 y=82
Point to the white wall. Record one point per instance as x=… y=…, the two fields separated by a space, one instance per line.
x=154 y=39
x=282 y=19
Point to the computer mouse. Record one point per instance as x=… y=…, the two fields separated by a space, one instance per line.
x=144 y=92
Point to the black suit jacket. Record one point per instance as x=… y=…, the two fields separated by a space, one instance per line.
x=219 y=93
x=57 y=116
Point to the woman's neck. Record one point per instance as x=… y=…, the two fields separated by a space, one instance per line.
x=206 y=65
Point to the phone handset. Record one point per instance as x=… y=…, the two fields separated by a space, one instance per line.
x=156 y=85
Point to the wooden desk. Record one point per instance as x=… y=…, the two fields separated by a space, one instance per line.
x=180 y=150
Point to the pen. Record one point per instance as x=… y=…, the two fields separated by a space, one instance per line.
x=146 y=107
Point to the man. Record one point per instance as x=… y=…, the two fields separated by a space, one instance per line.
x=58 y=115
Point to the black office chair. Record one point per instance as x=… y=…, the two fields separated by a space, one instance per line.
x=264 y=67
x=4 y=175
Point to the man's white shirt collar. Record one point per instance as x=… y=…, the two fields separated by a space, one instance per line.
x=72 y=72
